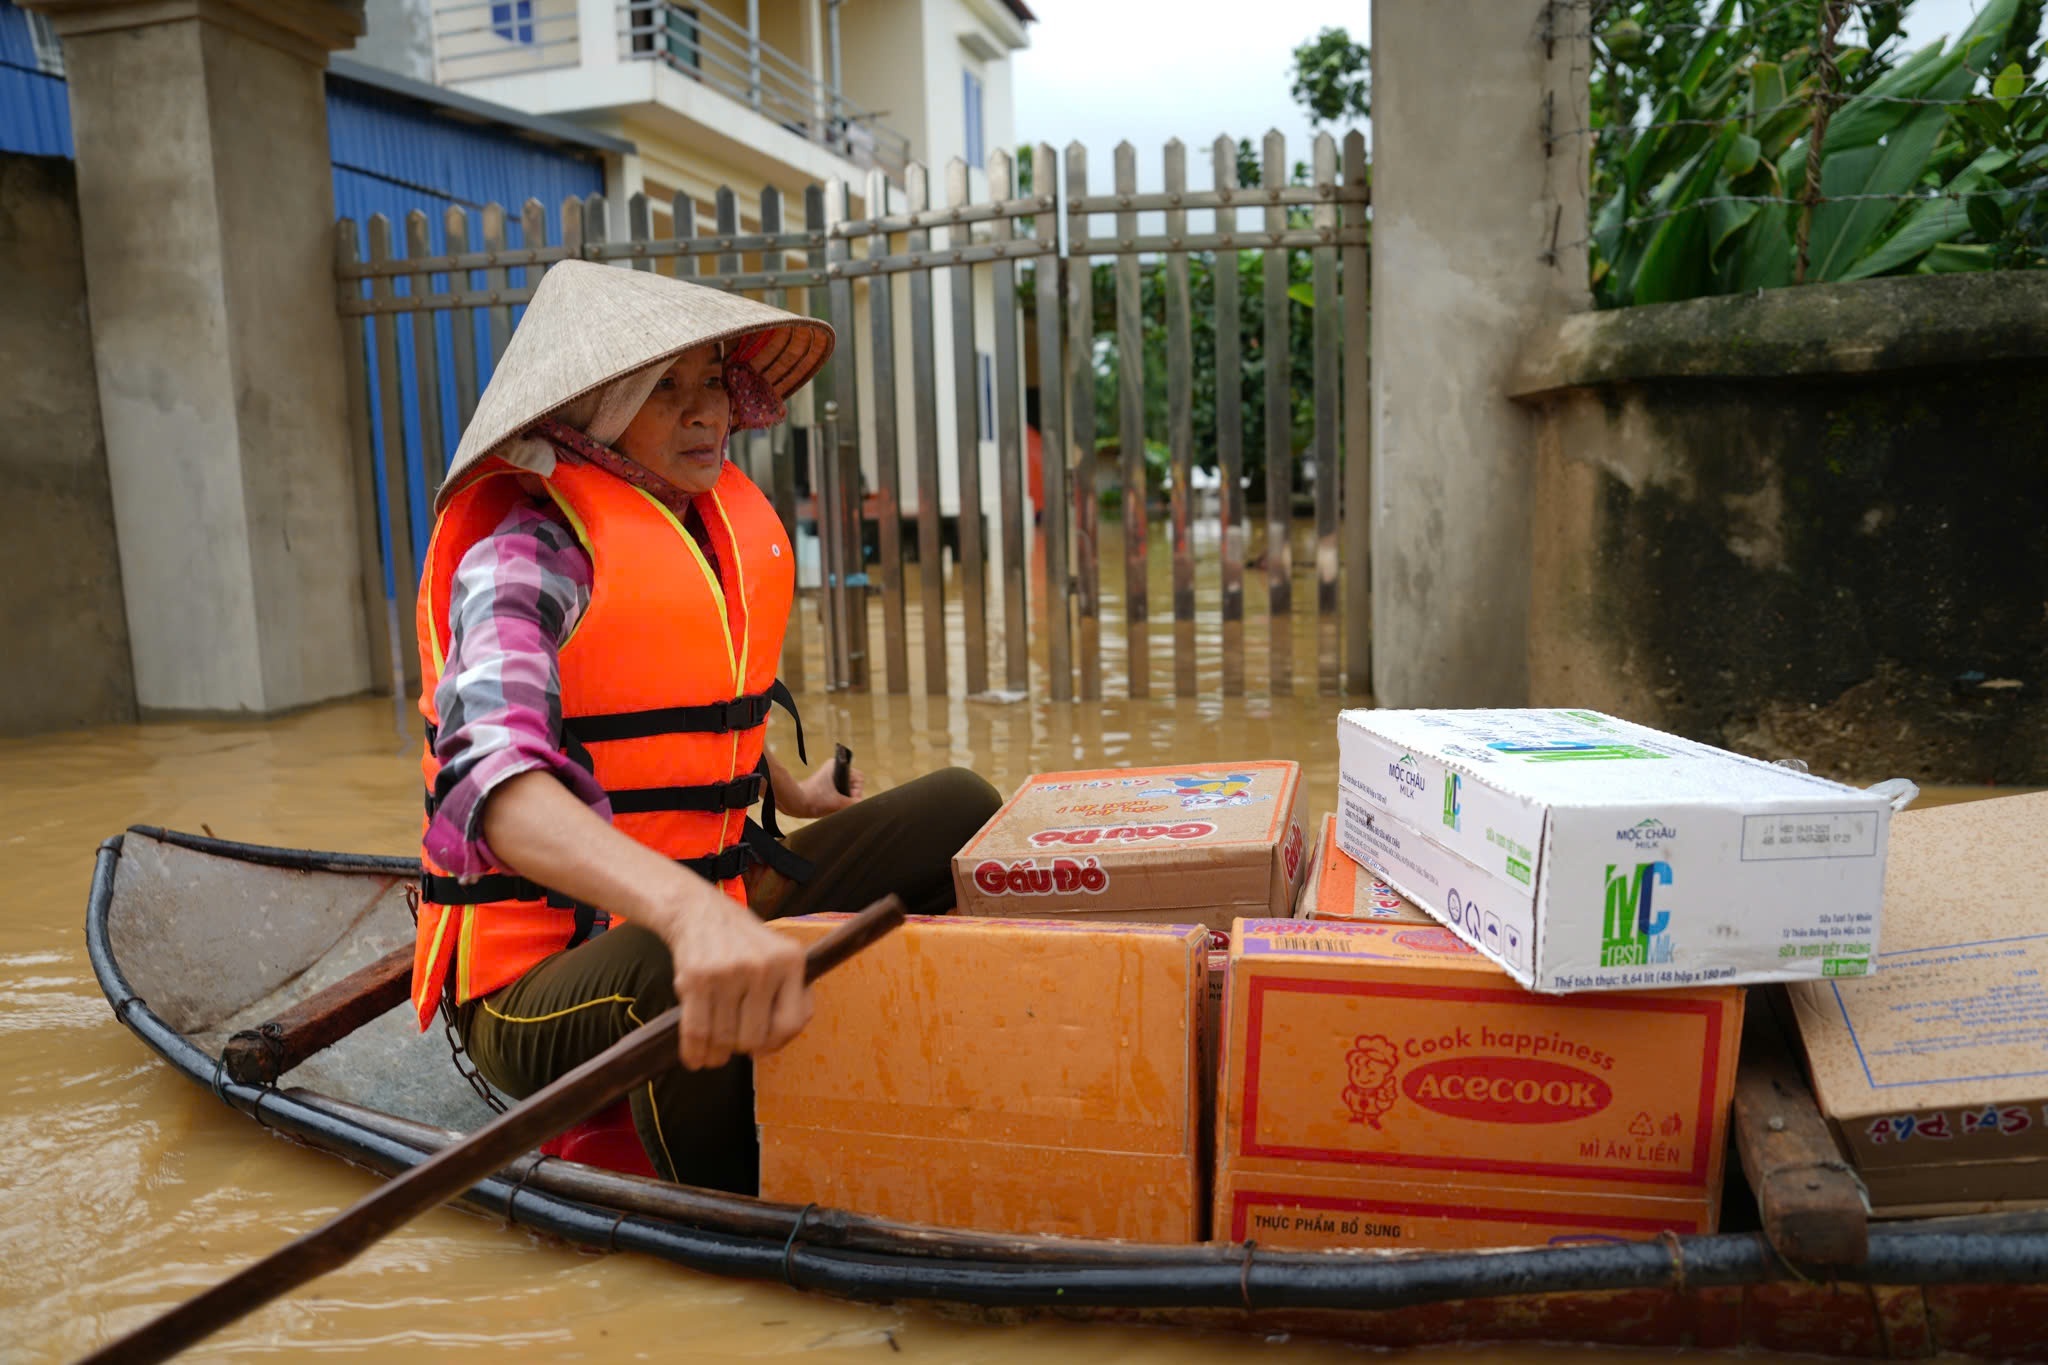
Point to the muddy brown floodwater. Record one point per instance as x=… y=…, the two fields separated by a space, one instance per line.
x=126 y=1188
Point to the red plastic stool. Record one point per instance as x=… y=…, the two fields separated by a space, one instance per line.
x=605 y=1139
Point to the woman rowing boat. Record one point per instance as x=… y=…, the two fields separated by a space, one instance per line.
x=601 y=615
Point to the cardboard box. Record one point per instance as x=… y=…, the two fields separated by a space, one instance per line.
x=1201 y=844
x=1384 y=1085
x=1337 y=887
x=1934 y=1072
x=1008 y=1076
x=1607 y=856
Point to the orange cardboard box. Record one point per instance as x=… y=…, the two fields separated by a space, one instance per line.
x=1201 y=844
x=1384 y=1085
x=1338 y=888
x=1009 y=1076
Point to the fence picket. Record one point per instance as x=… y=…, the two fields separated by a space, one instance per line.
x=973 y=554
x=480 y=279
x=825 y=474
x=362 y=464
x=1230 y=427
x=1130 y=369
x=1009 y=434
x=931 y=569
x=462 y=321
x=684 y=213
x=1277 y=353
x=1357 y=514
x=1081 y=415
x=845 y=453
x=1180 y=428
x=781 y=487
x=426 y=354
x=1327 y=323
x=404 y=644
x=1052 y=431
x=640 y=228
x=496 y=282
x=888 y=453
x=727 y=206
x=533 y=226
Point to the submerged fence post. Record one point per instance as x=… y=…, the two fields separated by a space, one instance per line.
x=924 y=387
x=1327 y=328
x=1229 y=417
x=363 y=459
x=1007 y=403
x=1081 y=415
x=1277 y=350
x=1054 y=448
x=888 y=452
x=1357 y=532
x=1130 y=370
x=973 y=560
x=1180 y=420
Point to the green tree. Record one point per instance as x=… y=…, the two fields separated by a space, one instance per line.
x=1333 y=77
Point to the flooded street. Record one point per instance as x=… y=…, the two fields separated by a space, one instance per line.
x=127 y=1188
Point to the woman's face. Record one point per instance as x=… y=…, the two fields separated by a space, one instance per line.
x=680 y=430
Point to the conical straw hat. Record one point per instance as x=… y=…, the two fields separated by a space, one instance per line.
x=590 y=324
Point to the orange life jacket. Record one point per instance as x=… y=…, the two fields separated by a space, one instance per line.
x=666 y=683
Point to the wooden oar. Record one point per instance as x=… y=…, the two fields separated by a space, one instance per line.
x=632 y=1061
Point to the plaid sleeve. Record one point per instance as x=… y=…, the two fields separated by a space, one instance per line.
x=518 y=594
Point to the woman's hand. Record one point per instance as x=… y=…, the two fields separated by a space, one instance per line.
x=807 y=798
x=741 y=984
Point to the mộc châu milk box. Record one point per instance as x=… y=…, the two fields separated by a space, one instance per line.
x=1583 y=852
x=1384 y=1085
x=1196 y=844
x=1338 y=887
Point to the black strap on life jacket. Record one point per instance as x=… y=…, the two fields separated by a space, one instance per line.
x=756 y=845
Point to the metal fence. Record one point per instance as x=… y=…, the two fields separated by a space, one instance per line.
x=859 y=466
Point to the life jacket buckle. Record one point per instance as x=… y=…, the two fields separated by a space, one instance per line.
x=744 y=791
x=741 y=713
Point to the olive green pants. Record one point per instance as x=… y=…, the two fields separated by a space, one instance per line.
x=698 y=1126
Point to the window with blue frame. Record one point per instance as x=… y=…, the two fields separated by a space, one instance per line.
x=977 y=150
x=514 y=21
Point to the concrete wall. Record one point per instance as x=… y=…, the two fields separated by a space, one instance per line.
x=1467 y=207
x=67 y=636
x=1812 y=524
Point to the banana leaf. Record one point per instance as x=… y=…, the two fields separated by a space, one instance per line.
x=1697 y=64
x=1761 y=256
x=1931 y=223
x=1674 y=264
x=1842 y=232
x=1950 y=259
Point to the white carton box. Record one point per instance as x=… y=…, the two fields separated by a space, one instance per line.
x=1583 y=852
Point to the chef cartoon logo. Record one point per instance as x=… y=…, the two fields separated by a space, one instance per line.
x=1370 y=1066
x=1207 y=791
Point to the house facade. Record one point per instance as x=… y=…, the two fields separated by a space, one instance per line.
x=746 y=93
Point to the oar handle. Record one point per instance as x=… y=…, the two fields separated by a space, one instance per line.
x=632 y=1061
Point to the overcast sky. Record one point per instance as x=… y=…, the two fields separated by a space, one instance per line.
x=1101 y=71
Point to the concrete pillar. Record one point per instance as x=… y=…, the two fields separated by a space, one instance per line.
x=207 y=218
x=1479 y=220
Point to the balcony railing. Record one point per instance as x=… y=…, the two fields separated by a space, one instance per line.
x=705 y=45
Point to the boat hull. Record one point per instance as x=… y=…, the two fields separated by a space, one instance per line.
x=194 y=938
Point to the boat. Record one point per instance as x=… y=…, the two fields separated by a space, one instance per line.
x=218 y=954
